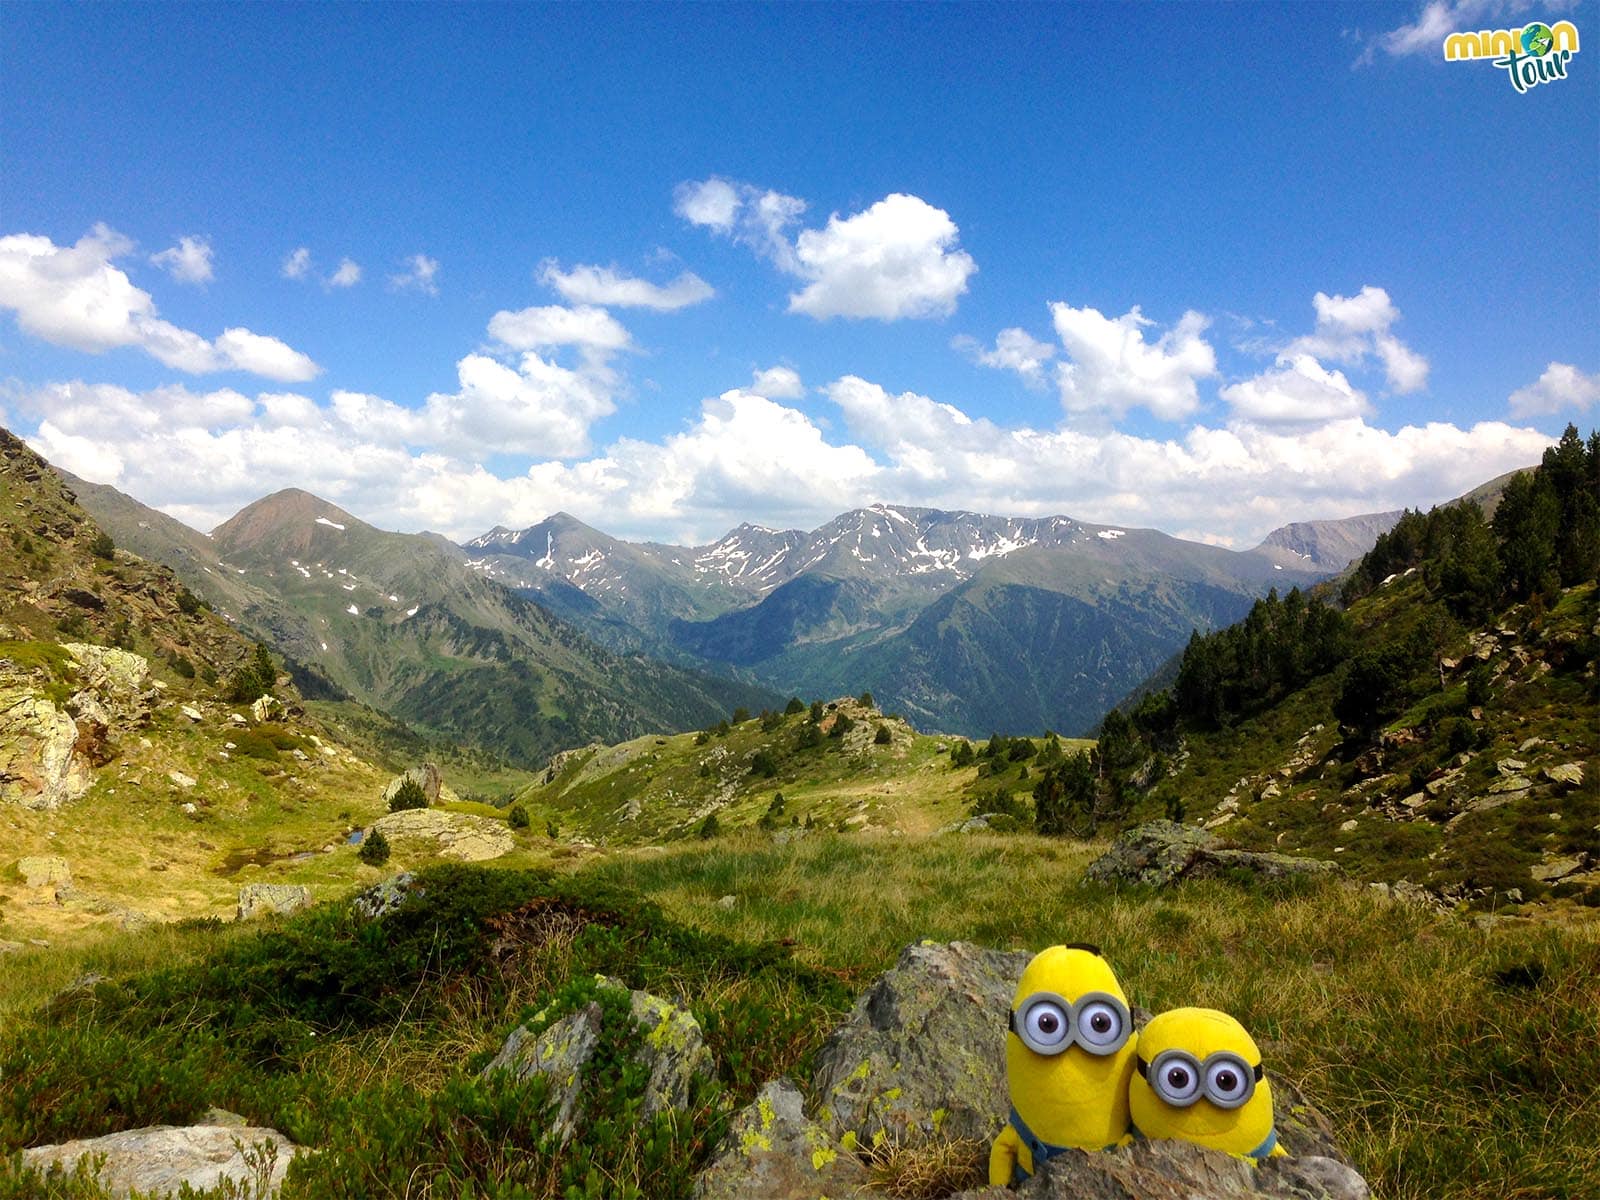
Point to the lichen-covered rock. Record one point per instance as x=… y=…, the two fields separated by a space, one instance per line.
x=118 y=680
x=460 y=836
x=772 y=1152
x=383 y=897
x=161 y=1159
x=561 y=1053
x=262 y=899
x=1179 y=1171
x=1568 y=775
x=39 y=767
x=672 y=1049
x=1160 y=853
x=923 y=1052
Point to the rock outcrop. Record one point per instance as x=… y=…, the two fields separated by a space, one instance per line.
x=1161 y=853
x=162 y=1159
x=426 y=776
x=39 y=766
x=460 y=836
x=773 y=1150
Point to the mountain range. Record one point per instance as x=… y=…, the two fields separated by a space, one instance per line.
x=530 y=641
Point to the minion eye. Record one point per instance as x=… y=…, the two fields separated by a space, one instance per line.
x=1046 y=1026
x=1101 y=1027
x=1176 y=1079
x=1228 y=1083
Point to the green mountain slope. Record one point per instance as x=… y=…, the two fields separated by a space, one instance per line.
x=400 y=622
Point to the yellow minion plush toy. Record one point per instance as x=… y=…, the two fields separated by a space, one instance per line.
x=1069 y=1059
x=1199 y=1078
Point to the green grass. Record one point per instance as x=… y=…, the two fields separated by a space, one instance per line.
x=1454 y=1060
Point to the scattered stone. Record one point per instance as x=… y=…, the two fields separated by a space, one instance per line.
x=1415 y=801
x=1511 y=766
x=189 y=808
x=44 y=872
x=193 y=713
x=262 y=899
x=1557 y=868
x=1566 y=775
x=460 y=836
x=1271 y=791
x=265 y=708
x=11 y=947
x=1349 y=826
x=384 y=897
x=1160 y=853
x=773 y=1152
x=728 y=902
x=162 y=1159
x=181 y=780
x=1511 y=783
x=237 y=719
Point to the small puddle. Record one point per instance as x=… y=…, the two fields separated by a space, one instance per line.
x=238 y=860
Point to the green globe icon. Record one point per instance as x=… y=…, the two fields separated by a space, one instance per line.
x=1537 y=40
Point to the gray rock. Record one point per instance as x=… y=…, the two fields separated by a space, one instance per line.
x=384 y=897
x=1160 y=853
x=461 y=836
x=922 y=1054
x=160 y=1160
x=1567 y=774
x=674 y=1051
x=728 y=902
x=1179 y=1171
x=772 y=1152
x=261 y=899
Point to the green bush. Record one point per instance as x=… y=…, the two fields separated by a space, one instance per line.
x=374 y=849
x=101 y=546
x=408 y=795
x=517 y=817
x=883 y=737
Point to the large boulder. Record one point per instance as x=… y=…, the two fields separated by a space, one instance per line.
x=115 y=682
x=39 y=766
x=161 y=1159
x=44 y=871
x=1160 y=853
x=921 y=1059
x=460 y=836
x=772 y=1152
x=425 y=775
x=672 y=1048
x=922 y=1054
x=1179 y=1171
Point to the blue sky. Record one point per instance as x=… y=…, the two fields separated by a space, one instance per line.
x=1207 y=268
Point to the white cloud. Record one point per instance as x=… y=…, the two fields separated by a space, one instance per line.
x=418 y=276
x=1440 y=18
x=348 y=274
x=1561 y=386
x=297 y=263
x=188 y=262
x=605 y=286
x=897 y=259
x=778 y=383
x=1113 y=369
x=1299 y=391
x=74 y=296
x=749 y=215
x=202 y=456
x=1349 y=328
x=592 y=330
x=1014 y=350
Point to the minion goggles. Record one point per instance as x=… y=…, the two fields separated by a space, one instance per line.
x=1048 y=1023
x=1180 y=1079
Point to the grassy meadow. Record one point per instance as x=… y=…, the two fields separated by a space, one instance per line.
x=1455 y=1057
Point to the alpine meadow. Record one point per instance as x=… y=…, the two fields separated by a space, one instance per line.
x=790 y=602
